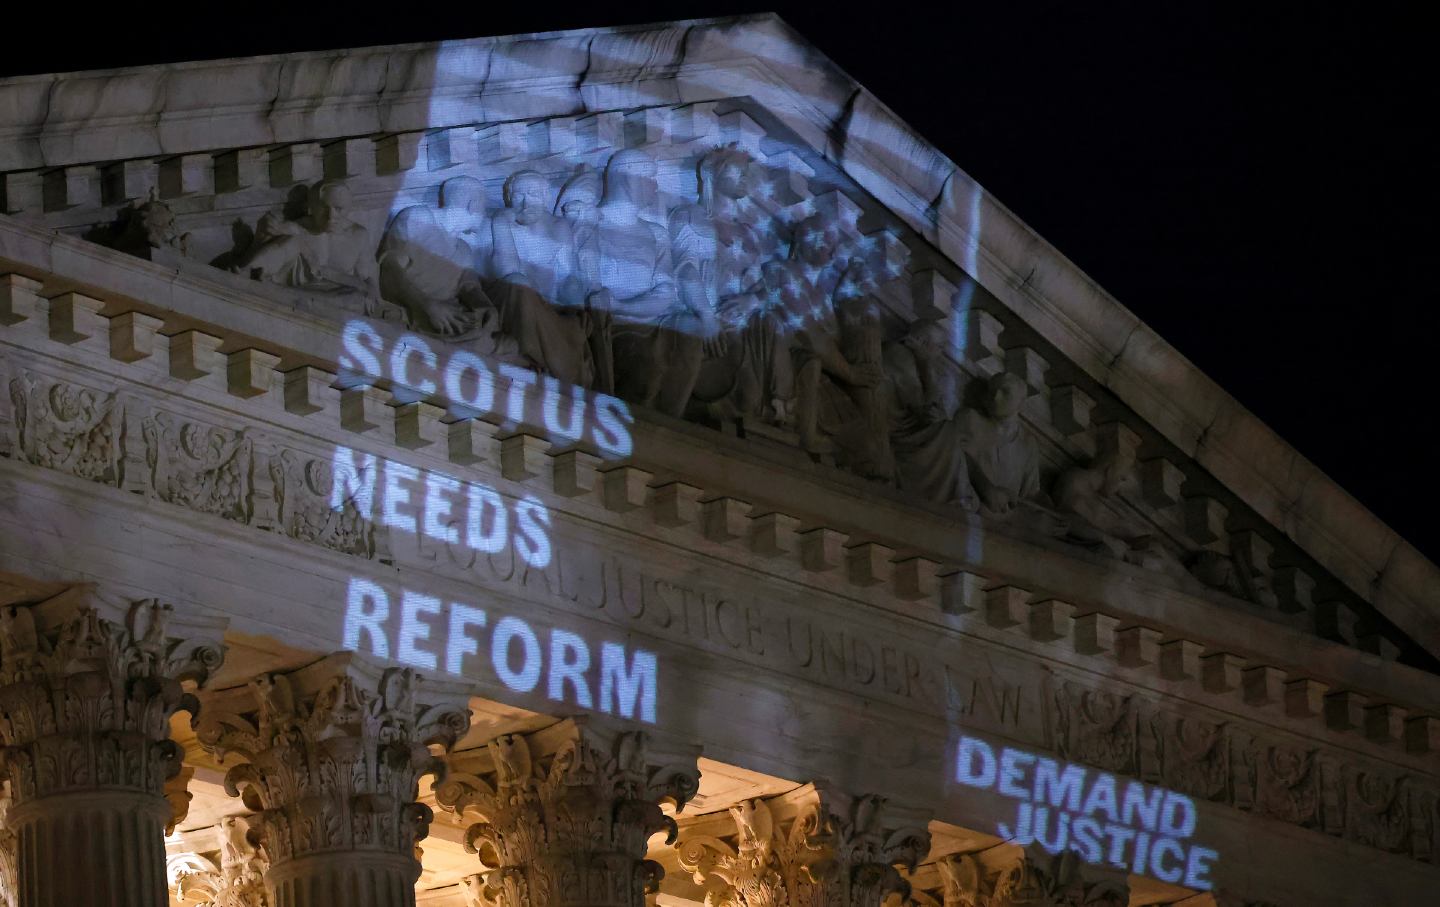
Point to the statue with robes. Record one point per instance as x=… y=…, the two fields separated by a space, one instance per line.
x=429 y=269
x=536 y=283
x=326 y=251
x=654 y=337
x=1003 y=462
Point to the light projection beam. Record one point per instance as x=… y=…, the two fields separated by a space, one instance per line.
x=431 y=634
x=1136 y=827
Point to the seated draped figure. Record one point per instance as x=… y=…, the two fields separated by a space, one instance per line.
x=1002 y=460
x=326 y=251
x=428 y=267
x=654 y=337
x=537 y=283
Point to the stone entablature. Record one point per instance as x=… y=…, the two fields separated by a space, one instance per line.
x=1097 y=480
x=1313 y=786
x=120 y=437
x=316 y=98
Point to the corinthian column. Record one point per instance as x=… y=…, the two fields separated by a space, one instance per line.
x=333 y=756
x=566 y=814
x=812 y=847
x=87 y=690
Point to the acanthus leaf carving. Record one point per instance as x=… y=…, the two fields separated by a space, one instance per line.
x=1032 y=877
x=303 y=485
x=566 y=814
x=67 y=427
x=333 y=756
x=198 y=466
x=85 y=701
x=809 y=847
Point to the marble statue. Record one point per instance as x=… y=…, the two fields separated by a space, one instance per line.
x=1091 y=501
x=735 y=299
x=537 y=285
x=655 y=342
x=324 y=252
x=579 y=205
x=430 y=272
x=846 y=368
x=1001 y=459
x=924 y=391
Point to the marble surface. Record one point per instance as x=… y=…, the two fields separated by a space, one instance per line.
x=61 y=120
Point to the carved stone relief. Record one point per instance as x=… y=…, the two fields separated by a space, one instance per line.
x=334 y=754
x=1032 y=878
x=302 y=486
x=566 y=814
x=198 y=466
x=67 y=427
x=1098 y=728
x=811 y=847
x=1191 y=755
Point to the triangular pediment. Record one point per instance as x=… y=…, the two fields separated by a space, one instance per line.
x=714 y=151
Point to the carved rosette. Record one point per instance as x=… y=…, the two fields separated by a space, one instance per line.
x=334 y=754
x=807 y=847
x=566 y=815
x=87 y=690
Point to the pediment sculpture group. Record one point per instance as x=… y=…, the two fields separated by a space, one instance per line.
x=724 y=309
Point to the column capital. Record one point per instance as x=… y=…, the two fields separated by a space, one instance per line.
x=1007 y=876
x=333 y=754
x=88 y=684
x=815 y=845
x=567 y=812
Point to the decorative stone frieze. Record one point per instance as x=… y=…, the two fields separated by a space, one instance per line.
x=812 y=846
x=87 y=690
x=333 y=756
x=567 y=812
x=67 y=427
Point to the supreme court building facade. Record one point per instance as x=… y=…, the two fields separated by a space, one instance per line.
x=631 y=466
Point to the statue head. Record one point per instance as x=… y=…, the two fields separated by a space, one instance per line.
x=725 y=173
x=815 y=240
x=630 y=180
x=580 y=196
x=463 y=194
x=1115 y=466
x=525 y=193
x=330 y=203
x=1004 y=395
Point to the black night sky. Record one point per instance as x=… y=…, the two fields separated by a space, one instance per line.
x=1257 y=183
